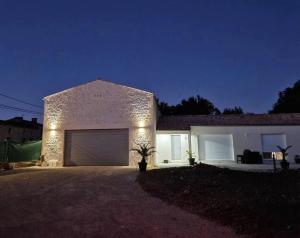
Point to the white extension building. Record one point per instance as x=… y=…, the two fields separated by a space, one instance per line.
x=99 y=122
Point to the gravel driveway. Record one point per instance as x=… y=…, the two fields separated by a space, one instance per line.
x=91 y=202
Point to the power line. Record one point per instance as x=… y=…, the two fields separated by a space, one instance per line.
x=17 y=109
x=19 y=100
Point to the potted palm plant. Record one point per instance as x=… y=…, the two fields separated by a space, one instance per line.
x=190 y=157
x=284 y=163
x=144 y=150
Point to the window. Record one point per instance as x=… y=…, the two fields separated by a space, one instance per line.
x=270 y=143
x=176 y=147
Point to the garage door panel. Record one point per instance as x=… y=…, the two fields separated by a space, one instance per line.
x=97 y=147
x=216 y=147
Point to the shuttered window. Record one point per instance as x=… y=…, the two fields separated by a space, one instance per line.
x=216 y=147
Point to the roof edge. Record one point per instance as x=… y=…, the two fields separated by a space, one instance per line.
x=92 y=81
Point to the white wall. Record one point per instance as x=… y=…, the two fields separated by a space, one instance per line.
x=163 y=147
x=250 y=137
x=195 y=146
x=98 y=105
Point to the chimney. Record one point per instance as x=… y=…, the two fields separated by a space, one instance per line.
x=34 y=120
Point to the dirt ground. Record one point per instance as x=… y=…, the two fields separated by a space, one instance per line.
x=91 y=202
x=259 y=204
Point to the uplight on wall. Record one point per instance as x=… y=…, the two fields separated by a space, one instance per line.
x=141 y=131
x=53 y=121
x=52 y=132
x=52 y=126
x=141 y=124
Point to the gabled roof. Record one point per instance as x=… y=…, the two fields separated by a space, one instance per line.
x=185 y=122
x=93 y=82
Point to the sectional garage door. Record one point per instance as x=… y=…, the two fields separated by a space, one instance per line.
x=96 y=147
x=216 y=147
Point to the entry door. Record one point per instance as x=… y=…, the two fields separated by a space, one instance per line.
x=176 y=147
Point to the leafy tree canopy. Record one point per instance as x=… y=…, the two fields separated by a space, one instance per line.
x=289 y=100
x=235 y=110
x=191 y=106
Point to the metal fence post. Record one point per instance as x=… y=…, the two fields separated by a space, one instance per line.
x=274 y=162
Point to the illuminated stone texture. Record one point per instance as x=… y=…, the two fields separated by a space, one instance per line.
x=98 y=105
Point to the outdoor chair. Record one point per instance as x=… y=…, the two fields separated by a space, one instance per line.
x=250 y=157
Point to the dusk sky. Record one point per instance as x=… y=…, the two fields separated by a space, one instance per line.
x=233 y=52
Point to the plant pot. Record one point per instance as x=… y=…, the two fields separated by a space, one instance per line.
x=142 y=166
x=192 y=161
x=284 y=164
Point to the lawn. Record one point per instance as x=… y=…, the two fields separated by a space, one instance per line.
x=255 y=204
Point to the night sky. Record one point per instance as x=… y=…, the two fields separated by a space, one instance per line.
x=233 y=52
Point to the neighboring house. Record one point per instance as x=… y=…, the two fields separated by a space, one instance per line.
x=20 y=130
x=99 y=122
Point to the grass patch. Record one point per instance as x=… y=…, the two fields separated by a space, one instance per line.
x=256 y=204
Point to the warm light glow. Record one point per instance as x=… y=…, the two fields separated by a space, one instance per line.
x=52 y=126
x=141 y=131
x=52 y=132
x=141 y=124
x=52 y=162
x=53 y=120
x=142 y=135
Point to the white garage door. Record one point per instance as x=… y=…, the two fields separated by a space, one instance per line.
x=216 y=147
x=96 y=147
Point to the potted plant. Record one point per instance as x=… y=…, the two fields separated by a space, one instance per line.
x=284 y=163
x=144 y=150
x=190 y=157
x=297 y=159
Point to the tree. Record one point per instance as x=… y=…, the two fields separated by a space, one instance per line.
x=165 y=108
x=289 y=100
x=191 y=106
x=196 y=106
x=235 y=110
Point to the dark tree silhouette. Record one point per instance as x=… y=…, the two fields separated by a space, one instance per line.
x=165 y=108
x=235 y=110
x=191 y=106
x=289 y=100
x=196 y=106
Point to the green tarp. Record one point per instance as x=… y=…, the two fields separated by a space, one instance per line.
x=15 y=152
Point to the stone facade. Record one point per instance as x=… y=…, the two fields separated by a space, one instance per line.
x=98 y=105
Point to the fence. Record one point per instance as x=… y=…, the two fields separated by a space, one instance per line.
x=13 y=152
